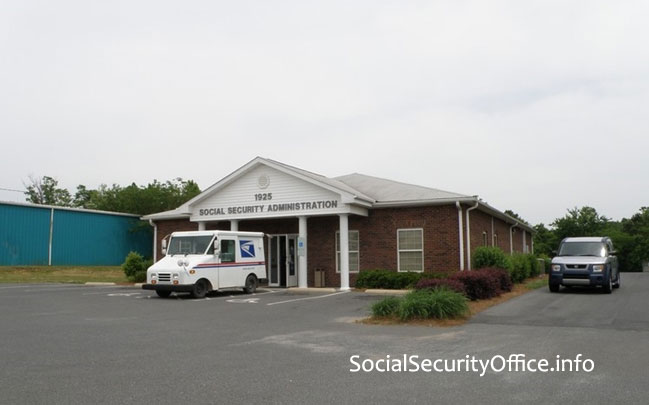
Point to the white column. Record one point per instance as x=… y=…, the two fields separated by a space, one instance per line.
x=302 y=259
x=201 y=226
x=234 y=225
x=344 y=252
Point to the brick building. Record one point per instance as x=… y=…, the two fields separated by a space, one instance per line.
x=332 y=228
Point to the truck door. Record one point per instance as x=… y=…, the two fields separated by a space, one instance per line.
x=228 y=274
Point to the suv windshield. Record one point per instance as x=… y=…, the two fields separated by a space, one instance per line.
x=583 y=249
x=189 y=245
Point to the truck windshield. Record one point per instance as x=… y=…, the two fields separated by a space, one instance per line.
x=189 y=245
x=583 y=249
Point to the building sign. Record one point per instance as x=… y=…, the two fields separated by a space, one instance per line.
x=269 y=208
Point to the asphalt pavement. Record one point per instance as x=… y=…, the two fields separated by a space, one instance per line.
x=73 y=344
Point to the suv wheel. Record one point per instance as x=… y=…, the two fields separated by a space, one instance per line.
x=554 y=287
x=608 y=287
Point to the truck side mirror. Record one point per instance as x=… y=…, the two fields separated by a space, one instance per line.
x=164 y=246
x=217 y=247
x=554 y=253
x=612 y=252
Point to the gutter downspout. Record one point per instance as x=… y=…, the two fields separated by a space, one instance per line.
x=511 y=238
x=155 y=240
x=461 y=233
x=468 y=234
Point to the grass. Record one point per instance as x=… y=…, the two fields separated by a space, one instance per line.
x=537 y=283
x=475 y=307
x=61 y=274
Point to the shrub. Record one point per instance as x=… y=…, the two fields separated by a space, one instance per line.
x=489 y=257
x=535 y=268
x=519 y=267
x=547 y=263
x=135 y=267
x=434 y=283
x=479 y=284
x=439 y=303
x=386 y=307
x=387 y=279
x=503 y=277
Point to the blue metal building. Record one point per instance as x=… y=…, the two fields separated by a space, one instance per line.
x=32 y=234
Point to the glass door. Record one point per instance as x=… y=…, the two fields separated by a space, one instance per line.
x=273 y=249
x=291 y=262
x=282 y=261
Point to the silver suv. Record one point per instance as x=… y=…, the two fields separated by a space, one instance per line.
x=587 y=261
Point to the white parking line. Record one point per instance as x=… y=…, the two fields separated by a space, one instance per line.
x=62 y=288
x=39 y=286
x=308 y=298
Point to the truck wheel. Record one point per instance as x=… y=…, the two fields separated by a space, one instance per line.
x=200 y=289
x=251 y=284
x=608 y=287
x=554 y=287
x=617 y=282
x=163 y=293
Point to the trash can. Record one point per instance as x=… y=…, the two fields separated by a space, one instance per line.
x=319 y=278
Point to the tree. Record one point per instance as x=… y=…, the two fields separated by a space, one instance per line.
x=46 y=191
x=634 y=249
x=143 y=200
x=545 y=240
x=132 y=199
x=516 y=216
x=583 y=221
x=83 y=197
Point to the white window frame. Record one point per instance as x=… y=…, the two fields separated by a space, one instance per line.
x=485 y=239
x=399 y=250
x=358 y=252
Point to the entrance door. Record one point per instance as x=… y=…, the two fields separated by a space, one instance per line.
x=282 y=259
x=291 y=263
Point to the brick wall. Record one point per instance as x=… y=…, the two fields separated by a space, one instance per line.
x=378 y=237
x=169 y=226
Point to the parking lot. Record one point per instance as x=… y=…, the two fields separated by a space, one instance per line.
x=112 y=344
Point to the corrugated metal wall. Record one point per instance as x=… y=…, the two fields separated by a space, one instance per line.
x=78 y=237
x=24 y=235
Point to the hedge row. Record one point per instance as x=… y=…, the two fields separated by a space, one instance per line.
x=519 y=265
x=438 y=303
x=476 y=285
x=391 y=279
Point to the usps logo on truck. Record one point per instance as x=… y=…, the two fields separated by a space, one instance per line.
x=247 y=248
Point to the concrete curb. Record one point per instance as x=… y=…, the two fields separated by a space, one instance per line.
x=138 y=285
x=312 y=290
x=386 y=292
x=98 y=283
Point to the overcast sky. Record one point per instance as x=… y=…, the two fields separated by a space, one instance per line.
x=535 y=106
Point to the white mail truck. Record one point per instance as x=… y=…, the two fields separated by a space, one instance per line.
x=203 y=261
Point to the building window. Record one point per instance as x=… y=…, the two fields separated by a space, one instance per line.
x=485 y=239
x=354 y=255
x=495 y=239
x=410 y=249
